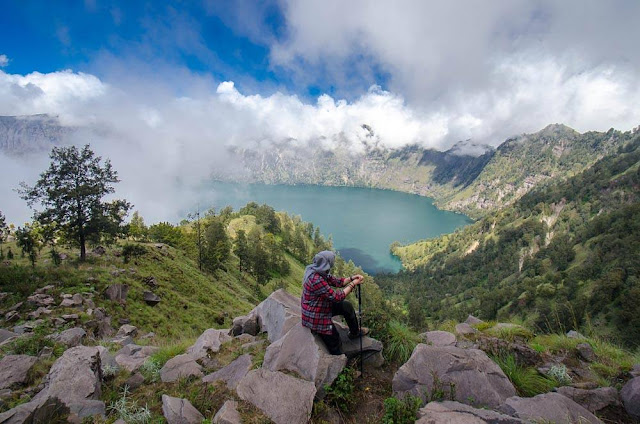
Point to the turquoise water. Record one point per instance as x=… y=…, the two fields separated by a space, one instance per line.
x=363 y=222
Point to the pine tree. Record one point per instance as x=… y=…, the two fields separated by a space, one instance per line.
x=241 y=249
x=216 y=247
x=71 y=192
x=137 y=229
x=28 y=242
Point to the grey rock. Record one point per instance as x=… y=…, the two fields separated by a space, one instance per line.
x=149 y=335
x=127 y=330
x=575 y=335
x=282 y=398
x=278 y=313
x=439 y=338
x=449 y=412
x=151 y=298
x=116 y=292
x=465 y=329
x=552 y=407
x=67 y=303
x=132 y=356
x=70 y=317
x=27 y=327
x=106 y=358
x=15 y=307
x=45 y=353
x=41 y=300
x=495 y=346
x=14 y=370
x=180 y=411
x=180 y=366
x=70 y=338
x=99 y=250
x=252 y=345
x=6 y=335
x=635 y=372
x=630 y=395
x=592 y=400
x=12 y=316
x=77 y=299
x=39 y=312
x=151 y=282
x=305 y=354
x=232 y=373
x=246 y=324
x=136 y=380
x=351 y=347
x=209 y=341
x=228 y=414
x=585 y=351
x=45 y=289
x=246 y=338
x=476 y=379
x=473 y=320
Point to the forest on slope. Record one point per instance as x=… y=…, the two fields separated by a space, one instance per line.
x=564 y=256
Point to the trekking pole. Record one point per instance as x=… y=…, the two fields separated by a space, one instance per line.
x=360 y=329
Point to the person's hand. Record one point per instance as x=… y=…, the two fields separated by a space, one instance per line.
x=357 y=279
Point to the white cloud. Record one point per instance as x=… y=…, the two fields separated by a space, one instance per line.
x=4 y=60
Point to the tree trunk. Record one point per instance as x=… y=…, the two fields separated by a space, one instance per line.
x=83 y=249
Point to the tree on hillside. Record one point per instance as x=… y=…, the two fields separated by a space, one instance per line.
x=241 y=249
x=71 y=192
x=137 y=229
x=28 y=242
x=216 y=246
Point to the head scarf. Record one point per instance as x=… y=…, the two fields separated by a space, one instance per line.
x=322 y=263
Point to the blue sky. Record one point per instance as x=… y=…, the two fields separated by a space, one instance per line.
x=203 y=37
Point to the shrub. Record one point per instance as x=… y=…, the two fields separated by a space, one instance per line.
x=527 y=381
x=401 y=342
x=341 y=391
x=129 y=411
x=131 y=250
x=403 y=411
x=560 y=375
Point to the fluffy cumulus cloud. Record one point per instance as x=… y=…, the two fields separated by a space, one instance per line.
x=4 y=60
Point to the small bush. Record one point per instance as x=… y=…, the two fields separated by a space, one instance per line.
x=527 y=381
x=403 y=411
x=511 y=333
x=560 y=375
x=131 y=250
x=401 y=342
x=340 y=392
x=129 y=411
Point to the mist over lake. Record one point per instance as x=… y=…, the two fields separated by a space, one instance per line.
x=363 y=222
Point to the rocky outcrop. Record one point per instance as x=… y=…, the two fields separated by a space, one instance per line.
x=232 y=373
x=552 y=407
x=449 y=412
x=180 y=411
x=585 y=351
x=464 y=329
x=228 y=414
x=131 y=357
x=593 y=400
x=278 y=313
x=465 y=375
x=181 y=366
x=116 y=292
x=151 y=298
x=305 y=354
x=282 y=398
x=70 y=338
x=630 y=395
x=524 y=354
x=72 y=386
x=209 y=342
x=471 y=320
x=14 y=370
x=439 y=338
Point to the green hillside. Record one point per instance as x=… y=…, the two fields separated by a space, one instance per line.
x=563 y=256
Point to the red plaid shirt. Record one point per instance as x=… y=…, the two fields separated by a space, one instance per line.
x=317 y=298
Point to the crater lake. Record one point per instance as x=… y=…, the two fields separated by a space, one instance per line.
x=363 y=222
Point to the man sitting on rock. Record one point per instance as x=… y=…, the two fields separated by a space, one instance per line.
x=320 y=301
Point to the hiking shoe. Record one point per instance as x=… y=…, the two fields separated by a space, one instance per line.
x=363 y=332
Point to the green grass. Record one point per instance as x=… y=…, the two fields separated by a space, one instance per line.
x=527 y=380
x=511 y=333
x=400 y=342
x=556 y=343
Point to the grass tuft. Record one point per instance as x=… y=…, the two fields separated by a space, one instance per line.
x=401 y=342
x=527 y=380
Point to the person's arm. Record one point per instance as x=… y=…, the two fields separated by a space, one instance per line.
x=322 y=289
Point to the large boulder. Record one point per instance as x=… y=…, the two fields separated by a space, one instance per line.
x=71 y=387
x=593 y=400
x=371 y=348
x=246 y=324
x=228 y=414
x=449 y=412
x=180 y=411
x=630 y=395
x=464 y=329
x=278 y=313
x=549 y=407
x=14 y=370
x=232 y=373
x=495 y=346
x=282 y=398
x=116 y=292
x=132 y=356
x=151 y=298
x=70 y=338
x=181 y=366
x=465 y=375
x=209 y=342
x=439 y=338
x=305 y=354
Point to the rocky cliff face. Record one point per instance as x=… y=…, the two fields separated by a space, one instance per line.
x=27 y=134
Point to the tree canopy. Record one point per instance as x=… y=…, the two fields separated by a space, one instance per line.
x=71 y=194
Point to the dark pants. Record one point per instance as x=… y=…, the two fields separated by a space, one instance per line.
x=332 y=341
